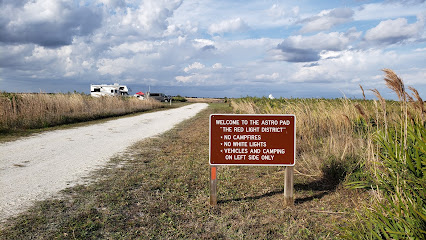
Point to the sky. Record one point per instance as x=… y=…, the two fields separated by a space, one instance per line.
x=213 y=48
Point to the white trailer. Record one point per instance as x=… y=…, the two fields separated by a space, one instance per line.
x=98 y=90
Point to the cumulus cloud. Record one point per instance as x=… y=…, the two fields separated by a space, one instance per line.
x=152 y=15
x=114 y=3
x=175 y=43
x=208 y=47
x=327 y=19
x=183 y=78
x=307 y=48
x=203 y=44
x=47 y=23
x=272 y=76
x=362 y=66
x=130 y=48
x=197 y=78
x=314 y=64
x=114 y=66
x=195 y=65
x=394 y=31
x=11 y=56
x=276 y=11
x=147 y=20
x=323 y=41
x=388 y=10
x=233 y=25
x=31 y=61
x=217 y=66
x=292 y=54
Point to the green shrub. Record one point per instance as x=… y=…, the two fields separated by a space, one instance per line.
x=400 y=211
x=335 y=170
x=179 y=98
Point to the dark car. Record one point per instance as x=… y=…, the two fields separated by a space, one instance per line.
x=160 y=97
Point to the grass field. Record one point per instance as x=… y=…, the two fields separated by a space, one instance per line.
x=360 y=174
x=160 y=191
x=30 y=111
x=378 y=146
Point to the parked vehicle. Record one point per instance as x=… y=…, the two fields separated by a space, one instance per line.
x=140 y=95
x=159 y=96
x=98 y=90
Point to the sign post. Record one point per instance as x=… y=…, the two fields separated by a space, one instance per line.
x=288 y=187
x=253 y=140
x=213 y=186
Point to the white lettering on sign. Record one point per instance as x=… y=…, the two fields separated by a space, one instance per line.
x=238 y=129
x=257 y=144
x=268 y=157
x=252 y=129
x=253 y=157
x=227 y=122
x=255 y=150
x=269 y=122
x=273 y=129
x=252 y=139
x=236 y=150
x=239 y=144
x=273 y=151
x=226 y=129
x=247 y=137
x=285 y=122
x=239 y=157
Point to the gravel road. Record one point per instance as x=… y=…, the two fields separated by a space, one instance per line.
x=37 y=167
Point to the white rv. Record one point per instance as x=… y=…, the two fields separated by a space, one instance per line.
x=98 y=90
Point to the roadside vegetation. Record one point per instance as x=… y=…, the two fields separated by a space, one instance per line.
x=30 y=111
x=359 y=174
x=160 y=190
x=179 y=98
x=378 y=146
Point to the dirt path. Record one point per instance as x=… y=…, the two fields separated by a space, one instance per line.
x=37 y=167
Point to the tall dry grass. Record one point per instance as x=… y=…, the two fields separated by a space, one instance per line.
x=398 y=209
x=327 y=130
x=340 y=130
x=381 y=147
x=26 y=111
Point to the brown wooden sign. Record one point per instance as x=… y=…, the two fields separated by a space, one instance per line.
x=257 y=139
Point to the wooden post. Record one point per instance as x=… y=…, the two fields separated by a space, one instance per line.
x=213 y=186
x=288 y=187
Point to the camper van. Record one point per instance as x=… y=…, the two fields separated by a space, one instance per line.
x=159 y=96
x=98 y=90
